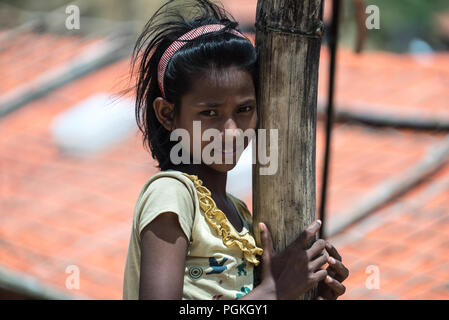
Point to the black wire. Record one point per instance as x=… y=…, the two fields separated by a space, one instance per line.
x=332 y=43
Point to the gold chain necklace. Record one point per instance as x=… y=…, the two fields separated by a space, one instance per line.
x=220 y=223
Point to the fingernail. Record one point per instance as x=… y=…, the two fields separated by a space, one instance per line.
x=328 y=245
x=328 y=279
x=331 y=260
x=319 y=222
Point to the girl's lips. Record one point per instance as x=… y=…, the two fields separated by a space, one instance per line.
x=226 y=153
x=231 y=151
x=231 y=155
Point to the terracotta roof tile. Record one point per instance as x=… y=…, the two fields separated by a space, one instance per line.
x=389 y=84
x=243 y=11
x=412 y=248
x=30 y=54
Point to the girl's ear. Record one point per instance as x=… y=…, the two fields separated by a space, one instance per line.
x=164 y=111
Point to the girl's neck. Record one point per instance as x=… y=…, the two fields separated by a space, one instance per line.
x=214 y=180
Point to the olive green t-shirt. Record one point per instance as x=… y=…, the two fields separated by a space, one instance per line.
x=212 y=269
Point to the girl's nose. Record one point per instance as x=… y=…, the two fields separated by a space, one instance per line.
x=230 y=128
x=231 y=135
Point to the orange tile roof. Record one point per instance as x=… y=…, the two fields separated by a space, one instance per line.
x=407 y=241
x=390 y=84
x=243 y=11
x=25 y=56
x=59 y=211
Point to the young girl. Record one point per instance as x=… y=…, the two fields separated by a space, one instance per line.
x=191 y=239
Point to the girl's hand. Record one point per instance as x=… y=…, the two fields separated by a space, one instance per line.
x=331 y=288
x=292 y=272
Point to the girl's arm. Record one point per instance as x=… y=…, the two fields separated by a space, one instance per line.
x=163 y=253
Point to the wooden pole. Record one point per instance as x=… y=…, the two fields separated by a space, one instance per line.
x=288 y=39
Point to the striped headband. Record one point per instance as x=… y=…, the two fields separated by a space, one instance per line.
x=182 y=41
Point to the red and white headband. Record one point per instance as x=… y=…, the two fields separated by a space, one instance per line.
x=180 y=42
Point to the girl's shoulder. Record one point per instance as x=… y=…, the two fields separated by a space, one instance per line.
x=170 y=181
x=168 y=173
x=168 y=177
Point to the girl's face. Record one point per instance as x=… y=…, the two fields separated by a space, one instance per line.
x=222 y=99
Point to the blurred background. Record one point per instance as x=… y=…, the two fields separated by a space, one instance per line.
x=72 y=162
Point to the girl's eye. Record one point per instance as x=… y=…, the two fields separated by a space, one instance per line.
x=245 y=109
x=209 y=113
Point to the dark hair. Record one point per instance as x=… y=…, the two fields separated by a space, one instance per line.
x=215 y=50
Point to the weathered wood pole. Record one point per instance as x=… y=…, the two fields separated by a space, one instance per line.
x=288 y=39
